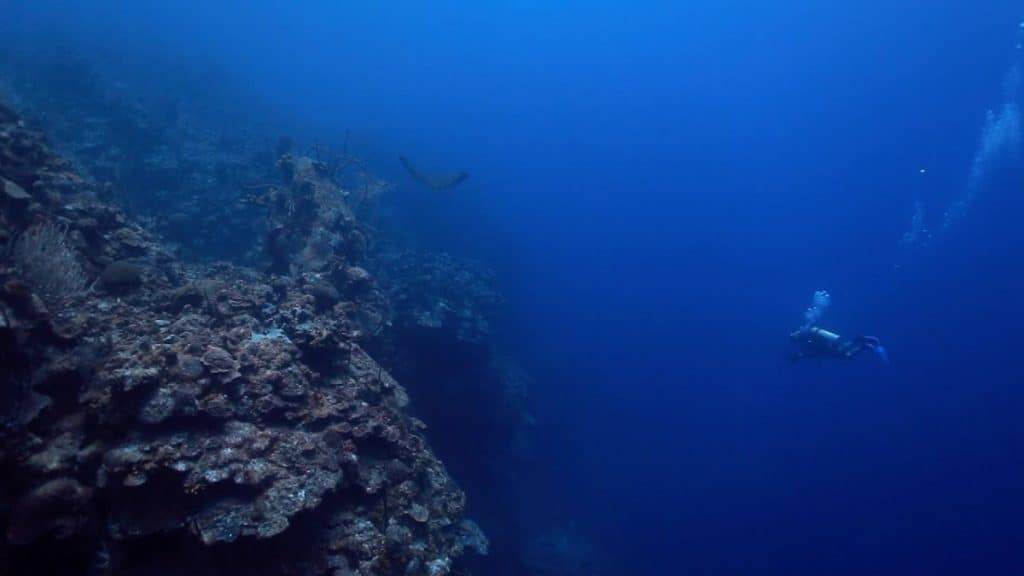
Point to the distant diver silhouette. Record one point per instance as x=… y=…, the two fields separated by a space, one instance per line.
x=814 y=342
x=435 y=183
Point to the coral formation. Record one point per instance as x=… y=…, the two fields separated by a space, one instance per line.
x=186 y=416
x=438 y=293
x=47 y=263
x=237 y=290
x=159 y=161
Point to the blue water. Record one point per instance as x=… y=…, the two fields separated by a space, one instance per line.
x=661 y=187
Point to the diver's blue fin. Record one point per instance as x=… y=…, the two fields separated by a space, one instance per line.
x=882 y=353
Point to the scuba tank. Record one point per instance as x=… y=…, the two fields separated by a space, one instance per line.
x=823 y=336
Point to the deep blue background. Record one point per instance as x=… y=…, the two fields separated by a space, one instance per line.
x=662 y=186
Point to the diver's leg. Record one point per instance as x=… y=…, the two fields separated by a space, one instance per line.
x=848 y=348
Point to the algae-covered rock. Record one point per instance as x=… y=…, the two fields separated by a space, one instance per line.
x=121 y=275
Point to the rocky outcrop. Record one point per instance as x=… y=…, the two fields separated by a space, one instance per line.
x=176 y=418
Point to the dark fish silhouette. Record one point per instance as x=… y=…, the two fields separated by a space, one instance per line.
x=435 y=183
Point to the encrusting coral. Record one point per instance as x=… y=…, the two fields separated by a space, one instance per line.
x=173 y=416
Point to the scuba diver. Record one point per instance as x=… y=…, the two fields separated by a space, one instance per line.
x=815 y=342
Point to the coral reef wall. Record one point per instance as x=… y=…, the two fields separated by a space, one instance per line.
x=195 y=230
x=169 y=417
x=160 y=158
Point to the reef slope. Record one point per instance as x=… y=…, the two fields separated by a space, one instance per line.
x=169 y=418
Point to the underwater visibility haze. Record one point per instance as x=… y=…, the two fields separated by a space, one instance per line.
x=511 y=287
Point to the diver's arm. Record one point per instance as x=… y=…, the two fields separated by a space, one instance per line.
x=861 y=343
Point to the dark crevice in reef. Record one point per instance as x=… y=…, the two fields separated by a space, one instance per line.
x=439 y=342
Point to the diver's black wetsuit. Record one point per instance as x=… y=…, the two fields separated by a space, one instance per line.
x=817 y=342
